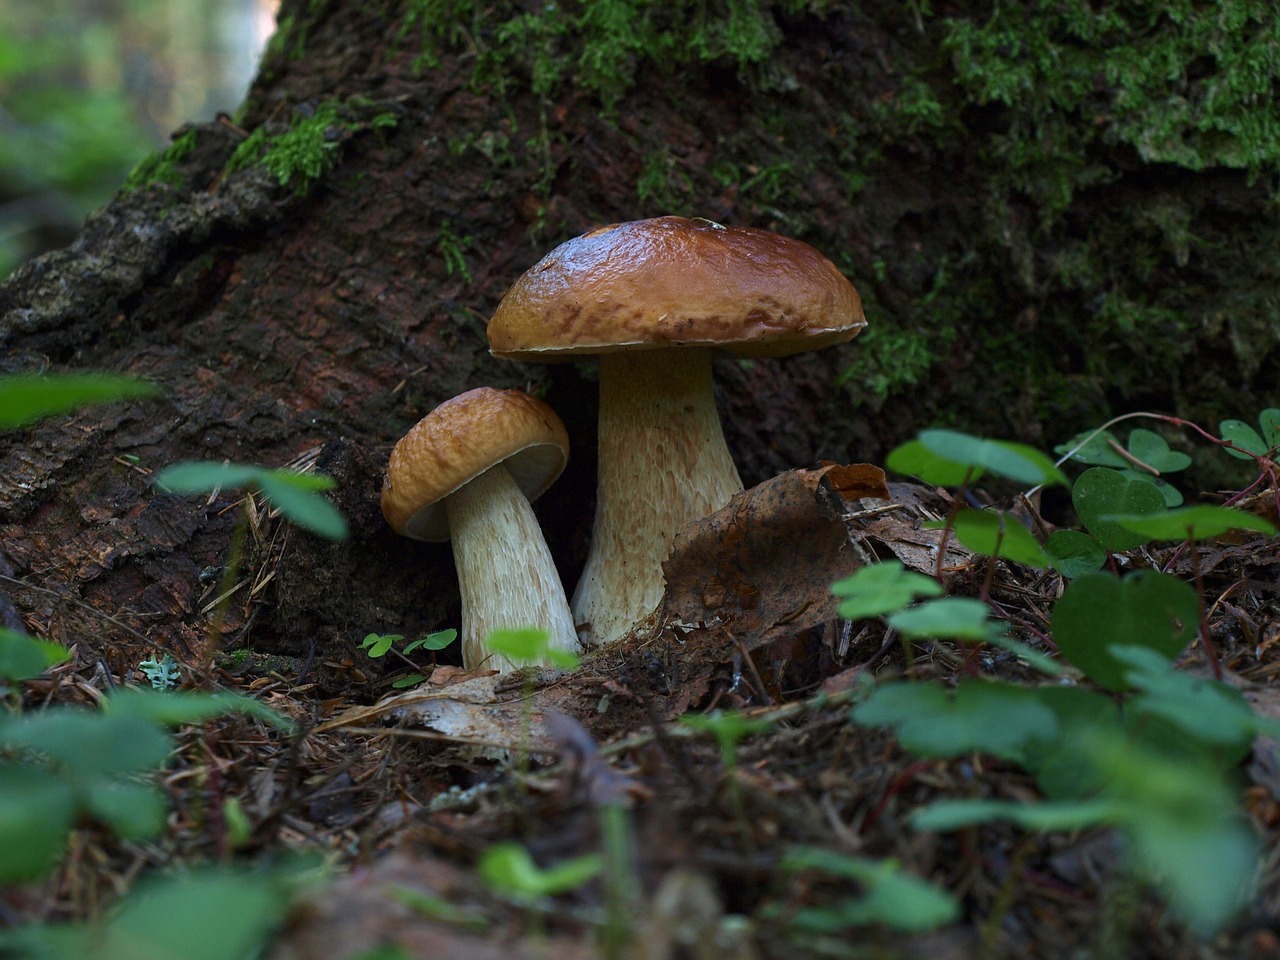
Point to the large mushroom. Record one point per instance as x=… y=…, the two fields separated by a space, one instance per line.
x=468 y=472
x=655 y=299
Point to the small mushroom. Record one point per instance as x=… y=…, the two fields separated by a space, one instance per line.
x=468 y=472
x=655 y=299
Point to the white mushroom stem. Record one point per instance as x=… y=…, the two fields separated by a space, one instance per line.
x=662 y=464
x=505 y=572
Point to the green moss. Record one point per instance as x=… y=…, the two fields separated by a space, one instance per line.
x=453 y=247
x=663 y=186
x=248 y=152
x=601 y=46
x=309 y=148
x=1181 y=82
x=1017 y=176
x=162 y=166
x=887 y=359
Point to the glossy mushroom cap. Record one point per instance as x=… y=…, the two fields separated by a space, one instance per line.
x=461 y=439
x=669 y=281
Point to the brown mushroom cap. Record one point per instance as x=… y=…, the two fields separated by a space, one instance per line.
x=670 y=281
x=461 y=439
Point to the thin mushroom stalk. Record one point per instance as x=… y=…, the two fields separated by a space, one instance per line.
x=506 y=576
x=467 y=472
x=663 y=463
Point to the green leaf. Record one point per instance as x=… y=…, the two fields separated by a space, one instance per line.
x=728 y=727
x=1097 y=449
x=1029 y=655
x=1181 y=819
x=1016 y=461
x=1198 y=522
x=1153 y=450
x=296 y=495
x=26 y=397
x=433 y=641
x=1073 y=553
x=1243 y=436
x=1269 y=421
x=996 y=534
x=949 y=618
x=300 y=503
x=1062 y=765
x=302 y=482
x=37 y=810
x=1203 y=868
x=135 y=811
x=1202 y=709
x=178 y=708
x=522 y=644
x=1099 y=492
x=408 y=680
x=563 y=659
x=891 y=896
x=1147 y=609
x=205 y=476
x=881 y=588
x=24 y=658
x=1172 y=495
x=981 y=716
x=87 y=743
x=377 y=644
x=946 y=815
x=212 y=914
x=508 y=868
x=914 y=459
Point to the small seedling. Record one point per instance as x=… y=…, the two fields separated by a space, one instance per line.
x=509 y=869
x=890 y=896
x=528 y=645
x=729 y=728
x=378 y=645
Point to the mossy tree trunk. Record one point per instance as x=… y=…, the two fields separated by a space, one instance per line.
x=1053 y=212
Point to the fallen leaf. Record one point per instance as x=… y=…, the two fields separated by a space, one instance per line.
x=765 y=563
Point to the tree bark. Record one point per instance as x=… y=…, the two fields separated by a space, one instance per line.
x=315 y=319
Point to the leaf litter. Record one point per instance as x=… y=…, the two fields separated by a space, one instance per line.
x=407 y=792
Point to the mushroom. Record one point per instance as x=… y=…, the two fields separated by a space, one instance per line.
x=654 y=299
x=468 y=471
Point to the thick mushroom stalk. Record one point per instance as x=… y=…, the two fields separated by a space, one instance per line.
x=653 y=298
x=662 y=464
x=506 y=576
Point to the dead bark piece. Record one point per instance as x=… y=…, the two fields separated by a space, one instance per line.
x=765 y=563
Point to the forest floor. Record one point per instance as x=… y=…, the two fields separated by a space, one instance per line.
x=404 y=794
